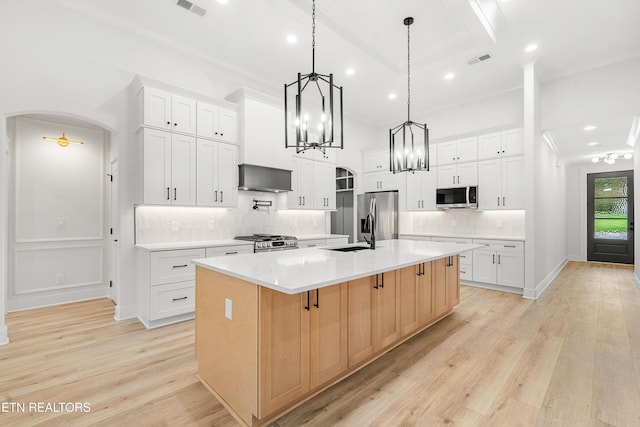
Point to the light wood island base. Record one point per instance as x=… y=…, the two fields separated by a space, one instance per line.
x=262 y=353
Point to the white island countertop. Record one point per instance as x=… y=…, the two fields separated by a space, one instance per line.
x=301 y=270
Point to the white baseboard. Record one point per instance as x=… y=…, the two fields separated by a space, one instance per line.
x=492 y=287
x=4 y=335
x=124 y=313
x=544 y=283
x=636 y=281
x=21 y=303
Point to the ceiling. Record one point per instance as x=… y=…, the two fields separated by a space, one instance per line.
x=249 y=37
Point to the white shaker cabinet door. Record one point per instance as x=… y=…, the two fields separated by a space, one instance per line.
x=510 y=269
x=447 y=176
x=490 y=146
x=207 y=193
x=467 y=174
x=183 y=114
x=513 y=183
x=513 y=142
x=484 y=266
x=156 y=167
x=183 y=170
x=489 y=184
x=227 y=124
x=157 y=108
x=447 y=153
x=467 y=149
x=228 y=174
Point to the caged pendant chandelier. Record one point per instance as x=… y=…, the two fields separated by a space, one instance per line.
x=409 y=141
x=313 y=116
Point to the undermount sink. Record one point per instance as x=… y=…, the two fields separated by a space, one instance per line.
x=349 y=248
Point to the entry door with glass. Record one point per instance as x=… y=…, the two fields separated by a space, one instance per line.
x=610 y=217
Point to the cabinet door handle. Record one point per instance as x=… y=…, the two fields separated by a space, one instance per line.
x=503 y=201
x=376 y=285
x=221 y=134
x=179 y=299
x=231 y=253
x=418 y=204
x=221 y=196
x=498 y=259
x=168 y=123
x=180 y=266
x=498 y=200
x=216 y=191
x=175 y=124
x=168 y=193
x=317 y=304
x=510 y=246
x=307 y=306
x=454 y=179
x=299 y=200
x=494 y=259
x=382 y=282
x=458 y=179
x=311 y=246
x=175 y=193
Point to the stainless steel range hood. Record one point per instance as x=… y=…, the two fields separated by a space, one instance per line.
x=262 y=178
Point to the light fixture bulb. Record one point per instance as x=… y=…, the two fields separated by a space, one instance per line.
x=628 y=155
x=595 y=160
x=392 y=96
x=590 y=128
x=292 y=39
x=531 y=47
x=614 y=156
x=350 y=71
x=449 y=76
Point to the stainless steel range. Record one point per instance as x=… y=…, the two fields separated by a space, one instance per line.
x=270 y=242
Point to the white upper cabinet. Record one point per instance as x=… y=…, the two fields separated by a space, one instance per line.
x=421 y=190
x=167 y=111
x=217 y=174
x=461 y=150
x=169 y=168
x=461 y=175
x=377 y=161
x=324 y=180
x=217 y=123
x=501 y=144
x=501 y=183
x=302 y=184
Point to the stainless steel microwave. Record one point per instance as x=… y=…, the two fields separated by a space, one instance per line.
x=459 y=197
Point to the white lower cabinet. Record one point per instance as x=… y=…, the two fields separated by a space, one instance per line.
x=499 y=263
x=466 y=258
x=167 y=279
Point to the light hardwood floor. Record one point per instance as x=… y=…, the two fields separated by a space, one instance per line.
x=571 y=358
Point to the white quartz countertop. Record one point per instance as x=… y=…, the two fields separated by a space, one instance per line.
x=466 y=236
x=192 y=245
x=296 y=271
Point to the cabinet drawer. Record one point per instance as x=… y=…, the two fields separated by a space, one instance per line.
x=229 y=250
x=173 y=266
x=466 y=258
x=172 y=299
x=466 y=272
x=311 y=243
x=501 y=245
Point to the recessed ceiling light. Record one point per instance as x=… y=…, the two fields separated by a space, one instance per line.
x=392 y=95
x=531 y=47
x=223 y=1
x=292 y=39
x=593 y=143
x=628 y=155
x=350 y=71
x=590 y=127
x=449 y=76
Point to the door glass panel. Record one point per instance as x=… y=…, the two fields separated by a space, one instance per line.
x=610 y=208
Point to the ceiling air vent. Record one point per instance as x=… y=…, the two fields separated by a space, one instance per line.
x=480 y=58
x=186 y=4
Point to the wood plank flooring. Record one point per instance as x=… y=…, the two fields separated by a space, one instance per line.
x=571 y=358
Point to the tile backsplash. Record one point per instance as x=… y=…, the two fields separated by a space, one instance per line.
x=464 y=222
x=168 y=224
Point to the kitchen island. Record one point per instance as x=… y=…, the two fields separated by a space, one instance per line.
x=275 y=329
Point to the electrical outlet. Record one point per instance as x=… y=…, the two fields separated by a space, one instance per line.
x=60 y=222
x=59 y=279
x=175 y=226
x=212 y=225
x=498 y=223
x=228 y=308
x=453 y=223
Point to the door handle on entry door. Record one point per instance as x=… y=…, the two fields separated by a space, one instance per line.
x=631 y=226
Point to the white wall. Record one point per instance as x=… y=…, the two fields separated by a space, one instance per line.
x=4 y=201
x=56 y=224
x=577 y=203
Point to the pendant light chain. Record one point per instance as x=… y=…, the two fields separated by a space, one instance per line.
x=313 y=37
x=408 y=74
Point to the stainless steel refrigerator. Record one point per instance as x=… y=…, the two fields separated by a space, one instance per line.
x=385 y=214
